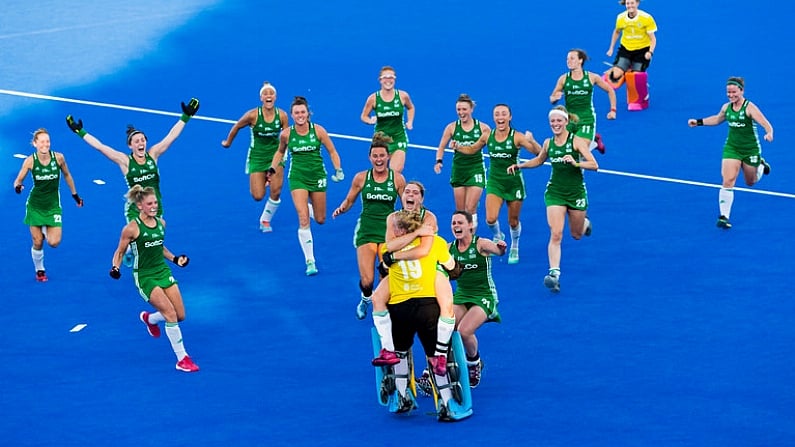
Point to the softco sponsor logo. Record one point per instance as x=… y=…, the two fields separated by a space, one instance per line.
x=46 y=176
x=556 y=160
x=303 y=149
x=578 y=92
x=371 y=196
x=156 y=243
x=501 y=155
x=268 y=134
x=388 y=114
x=470 y=266
x=736 y=124
x=143 y=178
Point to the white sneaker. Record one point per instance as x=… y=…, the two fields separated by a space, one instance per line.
x=513 y=256
x=310 y=268
x=552 y=282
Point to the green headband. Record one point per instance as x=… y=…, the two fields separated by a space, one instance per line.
x=733 y=82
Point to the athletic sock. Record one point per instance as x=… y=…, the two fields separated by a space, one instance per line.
x=305 y=238
x=725 y=200
x=515 y=233
x=383 y=325
x=475 y=221
x=175 y=337
x=445 y=328
x=471 y=361
x=554 y=272
x=760 y=171
x=270 y=209
x=495 y=227
x=38 y=258
x=156 y=317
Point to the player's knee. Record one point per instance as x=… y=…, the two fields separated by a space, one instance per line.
x=466 y=331
x=615 y=74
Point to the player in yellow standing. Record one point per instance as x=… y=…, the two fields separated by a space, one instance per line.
x=638 y=42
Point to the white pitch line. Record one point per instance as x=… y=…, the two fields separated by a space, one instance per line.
x=106 y=105
x=355 y=138
x=78 y=327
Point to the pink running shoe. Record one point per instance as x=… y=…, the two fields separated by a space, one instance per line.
x=600 y=145
x=154 y=330
x=386 y=358
x=439 y=364
x=187 y=365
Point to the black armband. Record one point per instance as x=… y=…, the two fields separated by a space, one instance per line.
x=699 y=122
x=271 y=171
x=439 y=161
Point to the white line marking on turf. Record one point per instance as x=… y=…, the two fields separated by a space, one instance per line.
x=350 y=137
x=99 y=181
x=22 y=156
x=78 y=327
